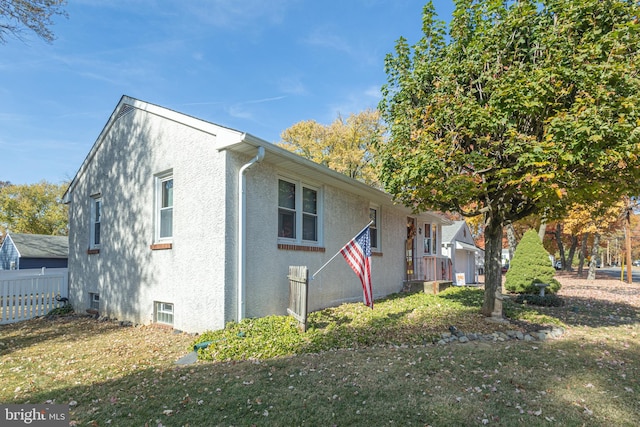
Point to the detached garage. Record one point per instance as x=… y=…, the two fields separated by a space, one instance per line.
x=28 y=251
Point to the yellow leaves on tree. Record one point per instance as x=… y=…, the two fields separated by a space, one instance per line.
x=35 y=209
x=346 y=145
x=592 y=218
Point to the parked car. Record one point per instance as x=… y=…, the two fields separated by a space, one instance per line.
x=558 y=265
x=636 y=263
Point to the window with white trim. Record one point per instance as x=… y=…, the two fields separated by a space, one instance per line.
x=163 y=313
x=373 y=228
x=427 y=239
x=298 y=212
x=94 y=301
x=96 y=219
x=164 y=207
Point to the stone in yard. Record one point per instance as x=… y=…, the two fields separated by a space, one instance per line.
x=541 y=335
x=496 y=314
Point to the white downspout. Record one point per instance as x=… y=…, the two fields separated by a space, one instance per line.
x=242 y=219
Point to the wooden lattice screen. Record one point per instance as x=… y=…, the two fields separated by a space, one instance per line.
x=298 y=294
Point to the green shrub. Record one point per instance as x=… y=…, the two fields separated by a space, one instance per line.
x=530 y=265
x=61 y=311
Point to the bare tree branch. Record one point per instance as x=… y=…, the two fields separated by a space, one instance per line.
x=16 y=16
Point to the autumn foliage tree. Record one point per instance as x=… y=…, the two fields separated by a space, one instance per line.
x=520 y=105
x=588 y=222
x=34 y=209
x=346 y=145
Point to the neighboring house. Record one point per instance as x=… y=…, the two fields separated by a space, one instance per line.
x=506 y=257
x=459 y=246
x=178 y=221
x=27 y=251
x=480 y=261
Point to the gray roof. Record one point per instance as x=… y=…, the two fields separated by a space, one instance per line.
x=450 y=231
x=247 y=144
x=40 y=246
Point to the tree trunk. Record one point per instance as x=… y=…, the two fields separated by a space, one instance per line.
x=513 y=242
x=594 y=257
x=572 y=253
x=492 y=263
x=627 y=240
x=560 y=245
x=542 y=230
x=583 y=253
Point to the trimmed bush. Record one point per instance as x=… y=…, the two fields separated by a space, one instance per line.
x=530 y=265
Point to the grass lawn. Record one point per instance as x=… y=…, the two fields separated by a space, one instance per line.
x=366 y=367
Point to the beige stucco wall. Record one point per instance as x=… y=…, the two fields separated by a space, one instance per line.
x=198 y=275
x=127 y=274
x=343 y=216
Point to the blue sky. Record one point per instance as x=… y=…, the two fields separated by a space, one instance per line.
x=253 y=65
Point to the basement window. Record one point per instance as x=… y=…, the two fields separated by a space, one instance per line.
x=94 y=301
x=163 y=313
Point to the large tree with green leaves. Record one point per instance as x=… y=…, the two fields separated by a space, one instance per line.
x=346 y=145
x=34 y=208
x=521 y=107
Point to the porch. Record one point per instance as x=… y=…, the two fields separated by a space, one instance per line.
x=429 y=273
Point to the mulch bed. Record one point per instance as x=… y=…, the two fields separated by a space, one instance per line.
x=603 y=288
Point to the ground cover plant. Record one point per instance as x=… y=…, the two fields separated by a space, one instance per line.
x=126 y=376
x=412 y=319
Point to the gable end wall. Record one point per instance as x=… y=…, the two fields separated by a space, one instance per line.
x=126 y=273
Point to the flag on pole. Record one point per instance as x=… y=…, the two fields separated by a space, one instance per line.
x=357 y=253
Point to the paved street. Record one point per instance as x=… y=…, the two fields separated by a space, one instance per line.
x=614 y=272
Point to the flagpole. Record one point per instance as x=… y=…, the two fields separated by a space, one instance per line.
x=337 y=253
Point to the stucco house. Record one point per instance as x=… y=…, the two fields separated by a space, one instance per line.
x=458 y=245
x=21 y=251
x=178 y=221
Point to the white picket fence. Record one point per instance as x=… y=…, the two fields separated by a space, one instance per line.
x=25 y=294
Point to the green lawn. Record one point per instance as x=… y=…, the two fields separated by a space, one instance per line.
x=366 y=367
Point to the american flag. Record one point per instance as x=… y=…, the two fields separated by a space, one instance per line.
x=357 y=253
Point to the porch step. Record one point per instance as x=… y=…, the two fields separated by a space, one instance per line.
x=430 y=287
